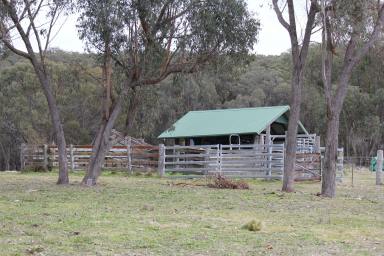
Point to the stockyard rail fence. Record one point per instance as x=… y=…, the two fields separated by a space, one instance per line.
x=244 y=161
x=248 y=161
x=254 y=160
x=129 y=157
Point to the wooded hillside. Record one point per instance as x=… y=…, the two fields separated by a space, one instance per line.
x=265 y=81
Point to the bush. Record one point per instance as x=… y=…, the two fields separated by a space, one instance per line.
x=253 y=225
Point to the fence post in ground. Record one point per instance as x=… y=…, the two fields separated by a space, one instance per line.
x=207 y=161
x=379 y=167
x=218 y=160
x=45 y=154
x=340 y=163
x=317 y=144
x=129 y=155
x=71 y=157
x=161 y=166
x=269 y=151
x=22 y=156
x=54 y=155
x=351 y=163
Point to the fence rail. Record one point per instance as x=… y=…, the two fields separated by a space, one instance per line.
x=256 y=160
x=128 y=157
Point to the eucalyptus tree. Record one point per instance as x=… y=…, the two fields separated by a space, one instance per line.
x=299 y=52
x=151 y=40
x=33 y=23
x=356 y=25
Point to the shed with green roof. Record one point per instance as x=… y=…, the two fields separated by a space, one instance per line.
x=230 y=126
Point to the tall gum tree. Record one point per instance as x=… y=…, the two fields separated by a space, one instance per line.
x=350 y=28
x=33 y=22
x=152 y=40
x=299 y=52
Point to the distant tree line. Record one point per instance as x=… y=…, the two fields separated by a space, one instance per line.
x=264 y=81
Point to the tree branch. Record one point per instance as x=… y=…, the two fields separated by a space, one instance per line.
x=32 y=23
x=279 y=15
x=308 y=30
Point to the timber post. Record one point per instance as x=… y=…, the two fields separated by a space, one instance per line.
x=45 y=154
x=54 y=155
x=219 y=160
x=340 y=163
x=71 y=157
x=129 y=155
x=269 y=150
x=317 y=144
x=206 y=159
x=22 y=156
x=161 y=165
x=379 y=167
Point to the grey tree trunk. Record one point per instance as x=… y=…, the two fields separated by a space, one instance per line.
x=57 y=125
x=335 y=98
x=132 y=111
x=101 y=147
x=39 y=66
x=102 y=144
x=299 y=56
x=294 y=116
x=328 y=187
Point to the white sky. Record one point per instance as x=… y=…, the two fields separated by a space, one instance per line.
x=273 y=38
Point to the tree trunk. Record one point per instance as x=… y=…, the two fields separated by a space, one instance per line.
x=132 y=111
x=7 y=159
x=107 y=81
x=294 y=116
x=328 y=187
x=102 y=144
x=101 y=147
x=56 y=121
x=299 y=56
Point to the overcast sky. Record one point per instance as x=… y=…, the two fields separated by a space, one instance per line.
x=273 y=38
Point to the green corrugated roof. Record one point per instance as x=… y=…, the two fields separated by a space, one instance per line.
x=225 y=122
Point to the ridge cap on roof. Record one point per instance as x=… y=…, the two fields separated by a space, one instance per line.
x=238 y=109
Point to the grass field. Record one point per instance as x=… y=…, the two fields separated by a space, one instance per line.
x=151 y=216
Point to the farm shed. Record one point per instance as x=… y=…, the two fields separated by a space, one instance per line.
x=243 y=142
x=231 y=126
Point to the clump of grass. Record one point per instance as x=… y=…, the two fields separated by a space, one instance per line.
x=222 y=182
x=253 y=225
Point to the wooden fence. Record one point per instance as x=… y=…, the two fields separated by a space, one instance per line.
x=119 y=157
x=256 y=160
x=308 y=166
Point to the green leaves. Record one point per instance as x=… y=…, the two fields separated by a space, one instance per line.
x=154 y=38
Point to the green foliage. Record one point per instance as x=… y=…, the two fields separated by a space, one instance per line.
x=151 y=39
x=262 y=82
x=352 y=18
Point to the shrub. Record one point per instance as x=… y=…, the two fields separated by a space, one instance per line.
x=253 y=225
